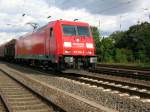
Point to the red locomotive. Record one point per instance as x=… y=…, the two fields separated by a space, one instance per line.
x=59 y=44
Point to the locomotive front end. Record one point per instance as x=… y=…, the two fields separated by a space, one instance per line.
x=78 y=45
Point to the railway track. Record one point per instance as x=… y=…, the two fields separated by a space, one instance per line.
x=131 y=89
x=66 y=101
x=124 y=67
x=125 y=88
x=123 y=71
x=2 y=106
x=136 y=94
x=18 y=98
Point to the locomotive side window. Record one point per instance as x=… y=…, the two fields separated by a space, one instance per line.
x=83 y=31
x=69 y=30
x=51 y=32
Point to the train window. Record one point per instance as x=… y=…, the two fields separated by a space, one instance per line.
x=51 y=32
x=69 y=30
x=83 y=31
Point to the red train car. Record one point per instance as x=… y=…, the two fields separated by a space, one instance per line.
x=7 y=50
x=10 y=49
x=2 y=50
x=59 y=43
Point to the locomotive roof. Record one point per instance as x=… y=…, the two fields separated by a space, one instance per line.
x=58 y=21
x=70 y=22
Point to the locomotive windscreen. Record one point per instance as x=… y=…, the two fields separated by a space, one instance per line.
x=69 y=30
x=83 y=31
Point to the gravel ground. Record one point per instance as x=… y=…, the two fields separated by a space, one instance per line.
x=114 y=101
x=122 y=104
x=67 y=101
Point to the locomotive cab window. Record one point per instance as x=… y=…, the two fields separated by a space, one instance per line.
x=51 y=32
x=69 y=30
x=83 y=31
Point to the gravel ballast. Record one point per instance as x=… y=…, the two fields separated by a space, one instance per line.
x=114 y=101
x=67 y=101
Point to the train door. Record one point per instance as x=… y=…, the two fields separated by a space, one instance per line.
x=52 y=42
x=47 y=41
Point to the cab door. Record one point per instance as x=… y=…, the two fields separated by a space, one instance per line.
x=47 y=42
x=52 y=45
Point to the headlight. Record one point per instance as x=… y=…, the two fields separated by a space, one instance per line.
x=67 y=44
x=89 y=45
x=67 y=51
x=89 y=52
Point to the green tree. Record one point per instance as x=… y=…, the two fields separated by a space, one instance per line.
x=107 y=49
x=117 y=36
x=136 y=39
x=120 y=55
x=97 y=38
x=132 y=45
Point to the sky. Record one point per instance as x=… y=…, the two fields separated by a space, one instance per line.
x=107 y=15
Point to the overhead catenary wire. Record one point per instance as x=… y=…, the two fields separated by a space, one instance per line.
x=122 y=15
x=115 y=6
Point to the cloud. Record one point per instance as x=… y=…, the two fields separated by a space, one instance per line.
x=5 y=37
x=107 y=12
x=103 y=7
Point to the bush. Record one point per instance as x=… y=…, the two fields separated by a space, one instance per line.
x=108 y=57
x=120 y=56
